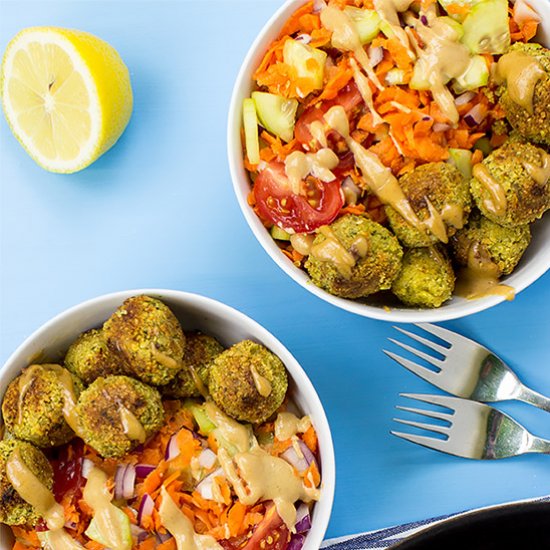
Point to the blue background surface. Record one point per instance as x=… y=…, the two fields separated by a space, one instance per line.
x=158 y=211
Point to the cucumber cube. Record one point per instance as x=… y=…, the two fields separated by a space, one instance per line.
x=486 y=28
x=277 y=114
x=309 y=62
x=367 y=23
x=475 y=76
x=250 y=123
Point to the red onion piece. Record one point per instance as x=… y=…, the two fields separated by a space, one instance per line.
x=162 y=537
x=304 y=38
x=475 y=116
x=308 y=455
x=319 y=5
x=376 y=55
x=205 y=486
x=441 y=127
x=71 y=525
x=138 y=533
x=303 y=519
x=119 y=476
x=143 y=470
x=146 y=508
x=125 y=481
x=172 y=449
x=87 y=465
x=296 y=542
x=207 y=458
x=524 y=12
x=351 y=191
x=464 y=98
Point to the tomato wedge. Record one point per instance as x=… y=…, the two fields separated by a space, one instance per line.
x=270 y=534
x=317 y=204
x=349 y=98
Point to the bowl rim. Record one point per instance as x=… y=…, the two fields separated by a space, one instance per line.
x=302 y=383
x=241 y=186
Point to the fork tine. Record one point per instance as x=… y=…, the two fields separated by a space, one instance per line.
x=443 y=400
x=443 y=333
x=430 y=442
x=429 y=358
x=427 y=374
x=428 y=343
x=424 y=412
x=423 y=426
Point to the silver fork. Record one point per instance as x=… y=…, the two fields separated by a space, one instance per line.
x=473 y=430
x=467 y=369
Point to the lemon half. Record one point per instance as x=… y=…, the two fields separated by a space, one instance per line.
x=66 y=95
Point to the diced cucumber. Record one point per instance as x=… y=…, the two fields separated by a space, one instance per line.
x=486 y=29
x=279 y=234
x=277 y=114
x=462 y=159
x=386 y=28
x=395 y=77
x=455 y=25
x=113 y=518
x=484 y=145
x=475 y=76
x=309 y=62
x=206 y=426
x=468 y=4
x=420 y=76
x=250 y=123
x=367 y=23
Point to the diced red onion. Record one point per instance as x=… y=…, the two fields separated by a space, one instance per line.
x=351 y=191
x=143 y=470
x=424 y=20
x=319 y=5
x=308 y=455
x=87 y=465
x=129 y=482
x=303 y=519
x=304 y=38
x=162 y=537
x=524 y=12
x=71 y=525
x=293 y=458
x=205 y=486
x=376 y=54
x=296 y=542
x=207 y=458
x=146 y=508
x=138 y=533
x=441 y=127
x=172 y=449
x=464 y=98
x=475 y=116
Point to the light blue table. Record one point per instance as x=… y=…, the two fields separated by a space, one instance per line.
x=159 y=211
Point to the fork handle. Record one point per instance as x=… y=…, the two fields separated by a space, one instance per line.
x=534 y=398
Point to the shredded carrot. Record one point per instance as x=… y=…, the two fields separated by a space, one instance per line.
x=170 y=544
x=310 y=437
x=477 y=157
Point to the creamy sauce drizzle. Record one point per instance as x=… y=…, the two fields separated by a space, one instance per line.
x=481 y=277
x=346 y=39
x=132 y=427
x=33 y=491
x=443 y=58
x=389 y=12
x=332 y=250
x=317 y=130
x=263 y=385
x=65 y=382
x=298 y=165
x=521 y=73
x=366 y=93
x=301 y=242
x=97 y=496
x=58 y=540
x=256 y=475
x=288 y=425
x=181 y=528
x=164 y=359
x=541 y=172
x=497 y=202
x=378 y=177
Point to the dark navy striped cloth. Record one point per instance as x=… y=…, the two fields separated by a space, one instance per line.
x=386 y=538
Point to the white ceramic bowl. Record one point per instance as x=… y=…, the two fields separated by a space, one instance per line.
x=194 y=312
x=535 y=262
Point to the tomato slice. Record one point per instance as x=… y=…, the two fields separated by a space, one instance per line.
x=317 y=204
x=270 y=534
x=349 y=98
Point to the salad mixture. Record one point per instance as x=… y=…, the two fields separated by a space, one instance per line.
x=402 y=144
x=149 y=437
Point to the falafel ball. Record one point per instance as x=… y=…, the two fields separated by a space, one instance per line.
x=248 y=382
x=149 y=338
x=533 y=126
x=102 y=412
x=200 y=351
x=513 y=171
x=89 y=357
x=504 y=246
x=33 y=406
x=354 y=257
x=13 y=509
x=426 y=279
x=445 y=188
